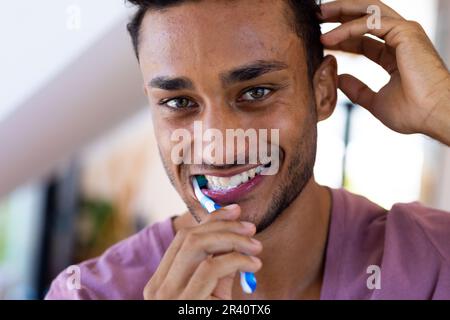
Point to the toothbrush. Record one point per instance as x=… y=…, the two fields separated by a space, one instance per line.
x=248 y=279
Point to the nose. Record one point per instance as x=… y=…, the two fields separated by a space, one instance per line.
x=220 y=122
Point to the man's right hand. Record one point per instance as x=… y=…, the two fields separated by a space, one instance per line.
x=202 y=261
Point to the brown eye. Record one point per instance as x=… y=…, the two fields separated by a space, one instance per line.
x=180 y=103
x=255 y=94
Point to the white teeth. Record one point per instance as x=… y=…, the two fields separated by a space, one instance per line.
x=235 y=180
x=251 y=173
x=225 y=183
x=265 y=162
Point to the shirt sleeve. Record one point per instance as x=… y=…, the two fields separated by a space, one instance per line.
x=120 y=273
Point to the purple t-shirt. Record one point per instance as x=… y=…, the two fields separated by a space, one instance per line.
x=372 y=253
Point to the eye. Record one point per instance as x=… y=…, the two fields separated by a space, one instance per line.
x=178 y=103
x=255 y=94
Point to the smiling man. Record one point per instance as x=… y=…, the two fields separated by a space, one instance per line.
x=259 y=64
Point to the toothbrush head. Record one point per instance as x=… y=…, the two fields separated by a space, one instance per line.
x=201 y=180
x=206 y=202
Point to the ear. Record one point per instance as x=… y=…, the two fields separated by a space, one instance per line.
x=325 y=87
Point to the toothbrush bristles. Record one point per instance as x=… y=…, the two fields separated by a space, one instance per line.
x=201 y=180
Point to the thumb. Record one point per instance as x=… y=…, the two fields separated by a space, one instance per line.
x=357 y=91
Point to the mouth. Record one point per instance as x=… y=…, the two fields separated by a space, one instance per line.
x=228 y=189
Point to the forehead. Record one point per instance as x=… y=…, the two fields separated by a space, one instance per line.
x=216 y=35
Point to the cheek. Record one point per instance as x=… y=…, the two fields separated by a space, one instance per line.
x=163 y=134
x=175 y=142
x=292 y=117
x=297 y=130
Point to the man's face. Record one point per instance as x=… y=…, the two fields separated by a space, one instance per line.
x=231 y=65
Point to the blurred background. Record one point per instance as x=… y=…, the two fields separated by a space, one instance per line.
x=79 y=166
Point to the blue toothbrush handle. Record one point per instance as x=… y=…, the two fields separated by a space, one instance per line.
x=248 y=282
x=248 y=279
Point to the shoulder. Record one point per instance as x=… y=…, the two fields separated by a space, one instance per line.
x=408 y=223
x=410 y=244
x=418 y=227
x=416 y=253
x=119 y=273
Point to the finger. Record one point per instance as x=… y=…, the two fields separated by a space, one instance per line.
x=391 y=30
x=211 y=270
x=356 y=91
x=197 y=248
x=223 y=290
x=160 y=274
x=231 y=212
x=344 y=10
x=375 y=50
x=239 y=227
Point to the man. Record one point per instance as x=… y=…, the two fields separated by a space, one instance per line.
x=260 y=64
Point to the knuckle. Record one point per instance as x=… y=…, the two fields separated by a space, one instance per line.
x=414 y=25
x=209 y=218
x=247 y=260
x=228 y=225
x=192 y=239
x=212 y=218
x=234 y=241
x=239 y=258
x=230 y=240
x=238 y=241
x=208 y=264
x=182 y=233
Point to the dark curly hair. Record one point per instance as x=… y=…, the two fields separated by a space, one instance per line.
x=305 y=23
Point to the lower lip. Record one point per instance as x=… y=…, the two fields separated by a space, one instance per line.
x=223 y=197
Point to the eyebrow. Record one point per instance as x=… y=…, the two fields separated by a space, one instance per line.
x=171 y=84
x=252 y=71
x=240 y=74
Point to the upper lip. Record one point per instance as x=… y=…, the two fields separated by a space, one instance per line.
x=226 y=172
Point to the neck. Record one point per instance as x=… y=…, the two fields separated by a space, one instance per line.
x=294 y=249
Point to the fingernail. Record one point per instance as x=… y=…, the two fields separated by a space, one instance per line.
x=255 y=259
x=231 y=207
x=248 y=225
x=256 y=241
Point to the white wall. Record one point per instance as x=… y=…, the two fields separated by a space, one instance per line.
x=38 y=39
x=66 y=88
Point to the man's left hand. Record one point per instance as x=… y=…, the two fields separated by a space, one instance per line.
x=417 y=97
